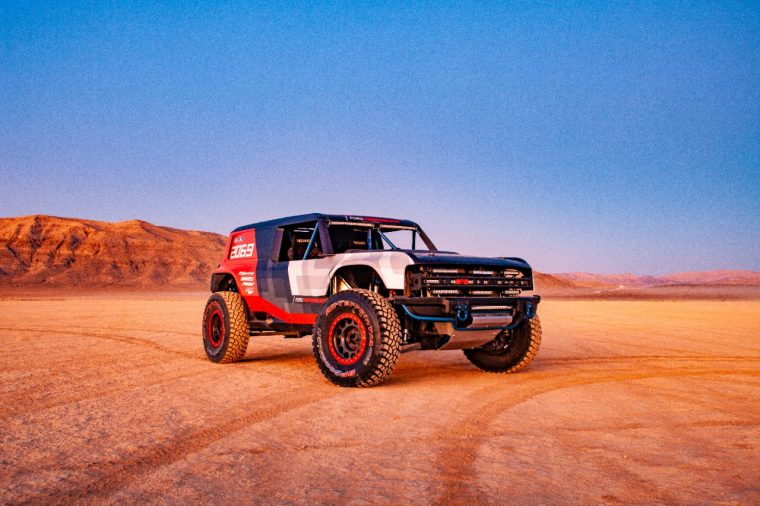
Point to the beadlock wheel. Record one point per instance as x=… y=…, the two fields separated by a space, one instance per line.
x=216 y=328
x=356 y=338
x=347 y=339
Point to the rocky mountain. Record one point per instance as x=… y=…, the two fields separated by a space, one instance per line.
x=69 y=252
x=550 y=284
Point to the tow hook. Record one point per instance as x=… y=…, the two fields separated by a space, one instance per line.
x=463 y=315
x=530 y=310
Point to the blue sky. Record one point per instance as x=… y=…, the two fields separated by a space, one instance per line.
x=581 y=136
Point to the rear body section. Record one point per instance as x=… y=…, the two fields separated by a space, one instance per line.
x=264 y=284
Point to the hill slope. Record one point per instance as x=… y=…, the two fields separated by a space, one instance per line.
x=607 y=281
x=68 y=252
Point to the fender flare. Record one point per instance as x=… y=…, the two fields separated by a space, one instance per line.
x=365 y=263
x=219 y=275
x=350 y=265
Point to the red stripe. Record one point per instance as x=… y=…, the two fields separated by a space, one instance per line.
x=381 y=220
x=260 y=304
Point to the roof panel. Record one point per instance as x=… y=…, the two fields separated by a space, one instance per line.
x=302 y=218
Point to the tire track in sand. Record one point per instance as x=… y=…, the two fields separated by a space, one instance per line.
x=139 y=341
x=105 y=478
x=457 y=456
x=645 y=358
x=42 y=404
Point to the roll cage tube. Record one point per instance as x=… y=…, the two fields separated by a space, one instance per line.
x=385 y=238
x=415 y=231
x=320 y=227
x=311 y=242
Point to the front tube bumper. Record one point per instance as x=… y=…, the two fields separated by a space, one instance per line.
x=472 y=330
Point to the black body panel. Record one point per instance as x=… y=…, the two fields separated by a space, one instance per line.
x=445 y=258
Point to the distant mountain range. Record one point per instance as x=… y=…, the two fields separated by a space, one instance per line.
x=49 y=251
x=723 y=277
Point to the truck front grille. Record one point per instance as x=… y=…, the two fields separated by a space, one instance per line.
x=458 y=281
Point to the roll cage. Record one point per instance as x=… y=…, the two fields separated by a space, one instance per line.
x=325 y=237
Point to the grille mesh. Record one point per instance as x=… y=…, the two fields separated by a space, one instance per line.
x=446 y=281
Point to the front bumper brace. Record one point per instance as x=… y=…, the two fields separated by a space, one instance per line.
x=471 y=330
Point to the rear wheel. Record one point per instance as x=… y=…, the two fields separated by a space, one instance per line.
x=356 y=339
x=511 y=350
x=225 y=327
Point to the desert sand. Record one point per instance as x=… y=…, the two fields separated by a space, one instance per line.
x=109 y=398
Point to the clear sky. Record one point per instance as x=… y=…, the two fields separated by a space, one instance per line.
x=581 y=136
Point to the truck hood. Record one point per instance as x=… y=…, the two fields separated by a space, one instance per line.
x=451 y=258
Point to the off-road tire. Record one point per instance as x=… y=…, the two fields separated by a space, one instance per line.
x=523 y=343
x=356 y=339
x=225 y=327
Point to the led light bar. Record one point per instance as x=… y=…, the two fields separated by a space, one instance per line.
x=445 y=271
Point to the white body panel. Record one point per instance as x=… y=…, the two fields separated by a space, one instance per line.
x=312 y=277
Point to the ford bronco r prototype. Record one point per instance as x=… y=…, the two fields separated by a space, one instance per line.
x=367 y=289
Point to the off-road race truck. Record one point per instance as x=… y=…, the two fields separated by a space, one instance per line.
x=367 y=289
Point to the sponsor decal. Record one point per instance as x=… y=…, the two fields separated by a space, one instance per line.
x=372 y=219
x=309 y=300
x=246 y=278
x=325 y=361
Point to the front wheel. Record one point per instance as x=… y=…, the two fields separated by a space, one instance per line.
x=356 y=339
x=511 y=350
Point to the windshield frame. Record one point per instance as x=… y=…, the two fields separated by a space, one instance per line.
x=387 y=227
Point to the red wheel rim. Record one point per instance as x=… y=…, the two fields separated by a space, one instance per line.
x=347 y=339
x=215 y=328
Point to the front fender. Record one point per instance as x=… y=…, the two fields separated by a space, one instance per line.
x=312 y=277
x=389 y=265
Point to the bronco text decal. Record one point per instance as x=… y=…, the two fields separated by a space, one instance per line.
x=309 y=300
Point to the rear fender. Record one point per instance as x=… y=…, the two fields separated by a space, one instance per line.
x=223 y=280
